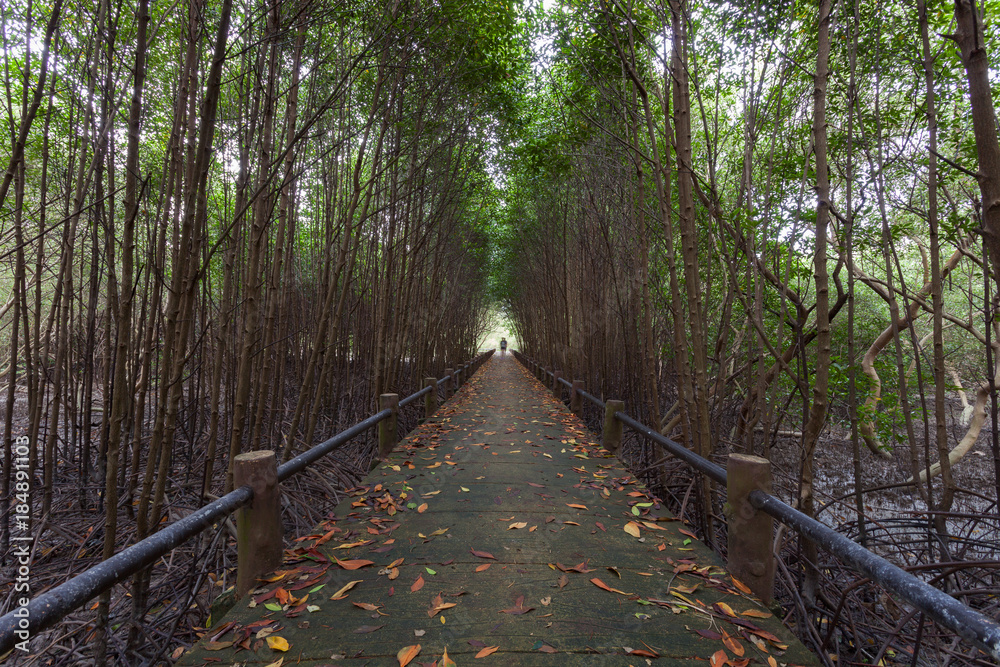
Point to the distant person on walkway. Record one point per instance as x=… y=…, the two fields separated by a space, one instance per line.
x=503 y=347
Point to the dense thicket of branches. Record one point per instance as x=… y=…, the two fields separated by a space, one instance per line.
x=228 y=226
x=767 y=227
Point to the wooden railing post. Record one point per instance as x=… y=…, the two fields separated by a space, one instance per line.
x=258 y=525
x=449 y=384
x=556 y=385
x=576 y=398
x=431 y=398
x=611 y=439
x=751 y=558
x=388 y=431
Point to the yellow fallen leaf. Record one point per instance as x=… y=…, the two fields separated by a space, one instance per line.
x=756 y=613
x=446 y=661
x=632 y=528
x=340 y=595
x=519 y=524
x=276 y=663
x=276 y=643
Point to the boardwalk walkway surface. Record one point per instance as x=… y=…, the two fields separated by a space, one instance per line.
x=500 y=532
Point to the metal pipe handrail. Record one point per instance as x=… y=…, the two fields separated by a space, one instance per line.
x=51 y=606
x=964 y=621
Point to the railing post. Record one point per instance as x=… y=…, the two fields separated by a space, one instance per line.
x=388 y=432
x=431 y=399
x=449 y=383
x=751 y=558
x=611 y=439
x=258 y=525
x=556 y=386
x=576 y=398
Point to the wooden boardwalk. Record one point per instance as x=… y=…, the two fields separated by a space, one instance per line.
x=500 y=532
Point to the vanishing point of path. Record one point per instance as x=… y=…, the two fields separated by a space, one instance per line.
x=500 y=532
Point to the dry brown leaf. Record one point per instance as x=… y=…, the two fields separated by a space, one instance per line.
x=756 y=613
x=577 y=506
x=517 y=525
x=418 y=584
x=719 y=658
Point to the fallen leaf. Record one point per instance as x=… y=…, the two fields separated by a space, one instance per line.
x=719 y=658
x=709 y=634
x=276 y=663
x=276 y=643
x=489 y=650
x=340 y=595
x=518 y=609
x=418 y=584
x=600 y=584
x=483 y=567
x=482 y=554
x=563 y=580
x=352 y=564
x=743 y=588
x=365 y=629
x=217 y=646
x=732 y=644
x=644 y=653
x=632 y=528
x=771 y=661
x=756 y=613
x=519 y=524
x=576 y=506
x=422 y=508
x=446 y=661
x=406 y=654
x=367 y=606
x=725 y=609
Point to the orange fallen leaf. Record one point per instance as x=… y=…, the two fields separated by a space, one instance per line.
x=743 y=588
x=406 y=654
x=489 y=650
x=600 y=584
x=422 y=508
x=483 y=567
x=418 y=584
x=732 y=644
x=446 y=661
x=719 y=658
x=756 y=613
x=576 y=506
x=771 y=661
x=352 y=564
